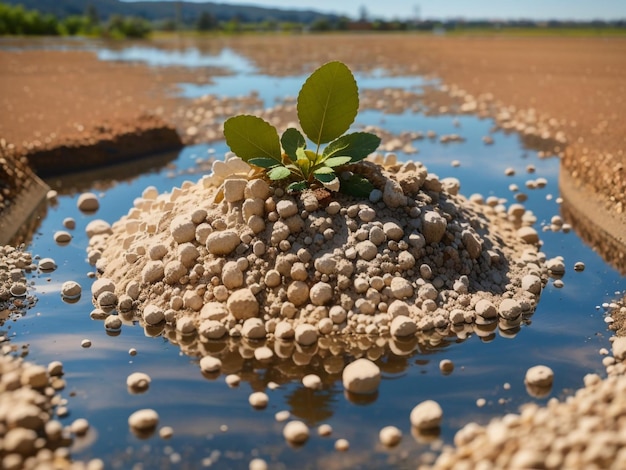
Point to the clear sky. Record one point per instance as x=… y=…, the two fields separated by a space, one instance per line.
x=470 y=9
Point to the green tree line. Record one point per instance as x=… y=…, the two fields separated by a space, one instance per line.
x=16 y=20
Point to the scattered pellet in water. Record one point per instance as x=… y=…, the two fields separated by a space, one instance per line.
x=296 y=432
x=446 y=366
x=232 y=380
x=312 y=381
x=138 y=382
x=342 y=445
x=282 y=415
x=324 y=430
x=86 y=343
x=258 y=400
x=390 y=436
x=166 y=432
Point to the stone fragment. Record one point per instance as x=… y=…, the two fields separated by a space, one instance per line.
x=222 y=243
x=402 y=326
x=528 y=235
x=234 y=189
x=286 y=208
x=433 y=226
x=253 y=328
x=366 y=250
x=427 y=415
x=312 y=381
x=183 y=229
x=401 y=288
x=144 y=420
x=361 y=377
x=212 y=329
x=210 y=364
x=509 y=309
x=390 y=436
x=485 y=309
x=539 y=376
x=138 y=382
x=296 y=432
x=242 y=304
x=305 y=334
x=71 y=290
x=153 y=314
x=473 y=244
x=62 y=237
x=393 y=196
x=152 y=272
x=98 y=227
x=298 y=293
x=393 y=231
x=47 y=264
x=531 y=283
x=88 y=203
x=102 y=285
x=258 y=400
x=321 y=293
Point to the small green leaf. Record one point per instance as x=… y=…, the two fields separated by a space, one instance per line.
x=297 y=186
x=301 y=154
x=263 y=162
x=328 y=102
x=278 y=173
x=323 y=170
x=357 y=145
x=325 y=177
x=337 y=161
x=357 y=186
x=291 y=141
x=251 y=137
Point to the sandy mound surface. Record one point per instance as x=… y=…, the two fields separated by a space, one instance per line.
x=414 y=257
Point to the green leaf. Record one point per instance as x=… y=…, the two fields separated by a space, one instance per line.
x=263 y=162
x=278 y=173
x=297 y=186
x=357 y=145
x=325 y=177
x=337 y=161
x=252 y=137
x=323 y=170
x=357 y=186
x=328 y=102
x=291 y=141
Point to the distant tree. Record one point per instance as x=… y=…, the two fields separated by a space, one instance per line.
x=269 y=25
x=206 y=21
x=91 y=12
x=321 y=24
x=342 y=23
x=233 y=25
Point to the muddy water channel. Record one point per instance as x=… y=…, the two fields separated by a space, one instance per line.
x=214 y=425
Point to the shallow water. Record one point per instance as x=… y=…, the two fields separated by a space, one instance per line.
x=213 y=424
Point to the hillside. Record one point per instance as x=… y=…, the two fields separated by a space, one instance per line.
x=155 y=11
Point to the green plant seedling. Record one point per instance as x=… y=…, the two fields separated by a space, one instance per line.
x=327 y=106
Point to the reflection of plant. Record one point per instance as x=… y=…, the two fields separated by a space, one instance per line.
x=327 y=106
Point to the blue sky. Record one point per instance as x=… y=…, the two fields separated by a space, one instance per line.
x=471 y=9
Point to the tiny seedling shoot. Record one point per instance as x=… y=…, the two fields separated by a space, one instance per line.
x=328 y=103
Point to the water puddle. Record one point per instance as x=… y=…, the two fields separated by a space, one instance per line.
x=213 y=424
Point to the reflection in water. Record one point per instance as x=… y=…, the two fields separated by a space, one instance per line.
x=104 y=178
x=593 y=234
x=288 y=362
